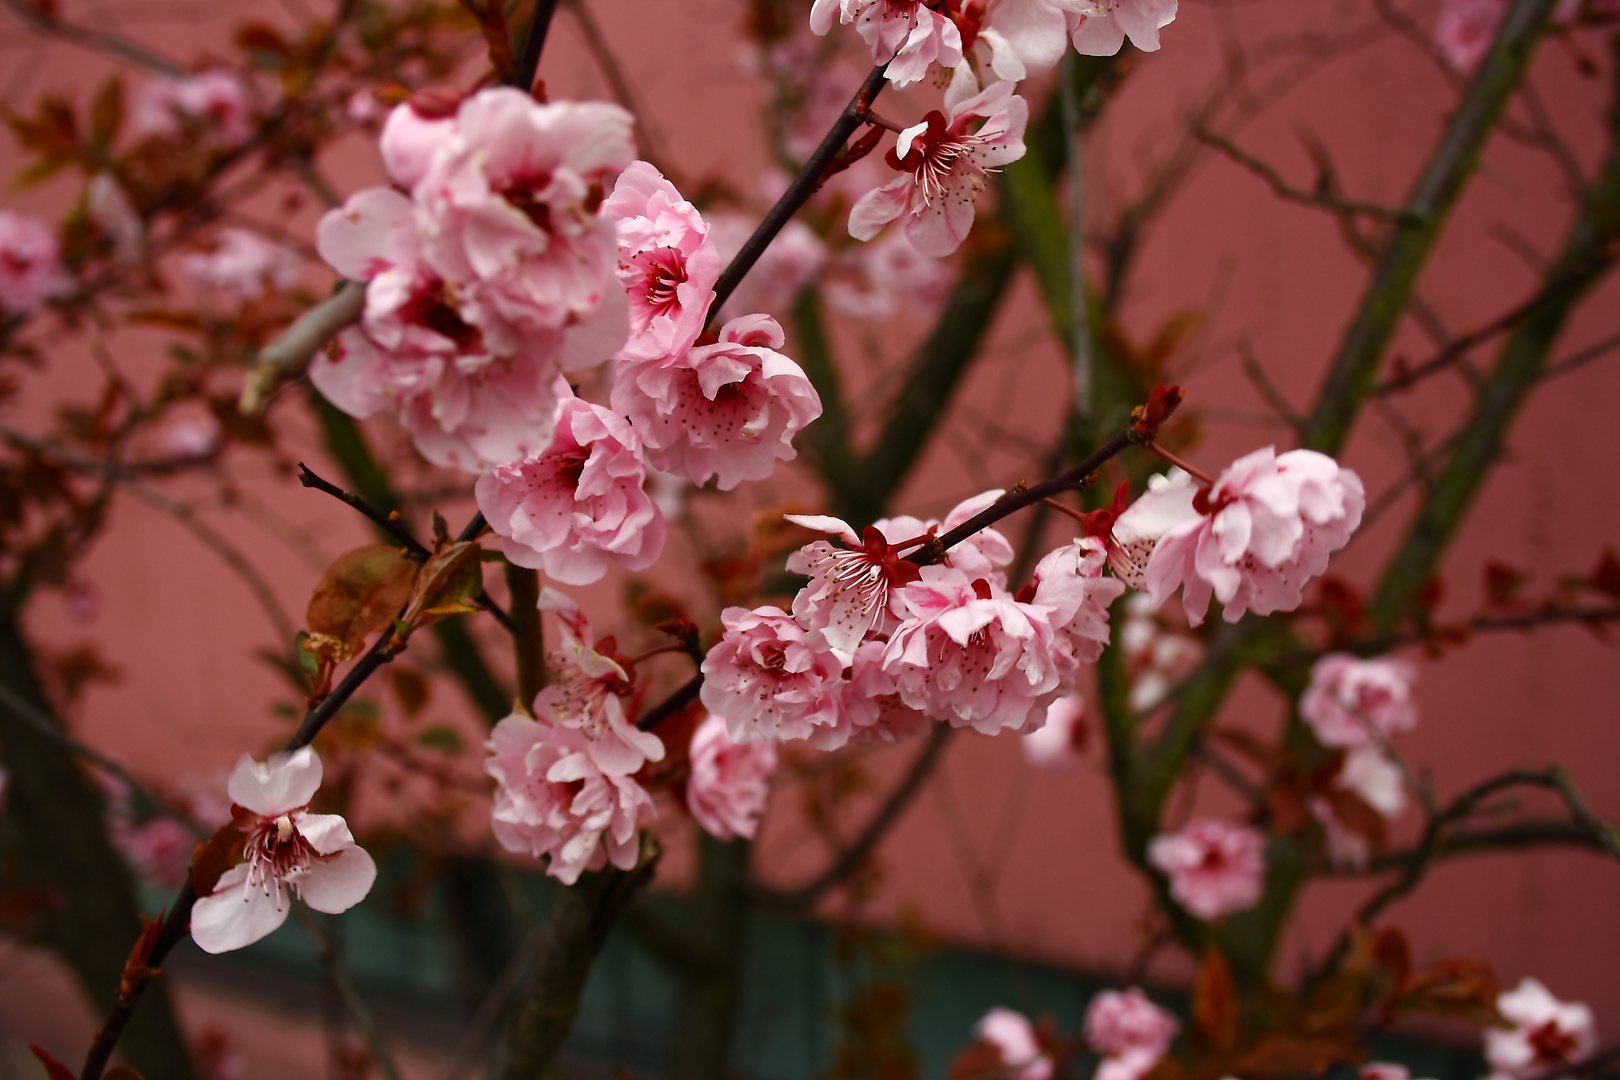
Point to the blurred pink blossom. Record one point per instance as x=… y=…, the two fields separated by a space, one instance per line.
x=969 y=653
x=30 y=264
x=158 y=850
x=577 y=506
x=1375 y=779
x=1547 y=1033
x=728 y=784
x=1352 y=702
x=944 y=166
x=218 y=99
x=109 y=207
x=768 y=679
x=888 y=277
x=729 y=409
x=552 y=800
x=1215 y=867
x=243 y=266
x=1013 y=1035
x=1384 y=1070
x=1468 y=27
x=907 y=35
x=1271 y=521
x=285 y=847
x=1060 y=742
x=1131 y=1033
x=667 y=263
x=793 y=258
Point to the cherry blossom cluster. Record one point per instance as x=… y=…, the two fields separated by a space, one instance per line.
x=980 y=49
x=1129 y=1031
x=1544 y=1033
x=521 y=241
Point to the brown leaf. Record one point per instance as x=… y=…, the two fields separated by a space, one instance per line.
x=410 y=688
x=107 y=111
x=214 y=856
x=53 y=1068
x=1214 y=1005
x=1283 y=1055
x=136 y=971
x=976 y=1062
x=1502 y=583
x=1393 y=953
x=1463 y=988
x=452 y=575
x=361 y=593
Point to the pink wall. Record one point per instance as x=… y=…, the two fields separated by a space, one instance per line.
x=182 y=627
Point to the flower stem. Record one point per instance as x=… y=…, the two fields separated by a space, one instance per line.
x=1191 y=470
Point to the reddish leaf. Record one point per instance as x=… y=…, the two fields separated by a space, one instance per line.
x=1162 y=401
x=442 y=584
x=977 y=1061
x=136 y=970
x=1502 y=583
x=1285 y=1055
x=1606 y=575
x=1463 y=988
x=1214 y=1005
x=53 y=1068
x=214 y=856
x=410 y=688
x=361 y=593
x=1393 y=953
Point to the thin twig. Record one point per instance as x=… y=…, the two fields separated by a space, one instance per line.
x=1320 y=200
x=327 y=953
x=288 y=355
x=389 y=523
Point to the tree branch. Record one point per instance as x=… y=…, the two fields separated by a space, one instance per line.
x=1319 y=199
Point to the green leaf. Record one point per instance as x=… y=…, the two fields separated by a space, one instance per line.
x=442 y=738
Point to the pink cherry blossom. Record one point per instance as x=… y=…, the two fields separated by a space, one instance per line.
x=1467 y=28
x=552 y=800
x=506 y=207
x=243 y=266
x=1131 y=1033
x=1215 y=867
x=1547 y=1033
x=285 y=846
x=1344 y=846
x=791 y=262
x=1352 y=702
x=852 y=588
x=1070 y=582
x=1060 y=742
x=1368 y=773
x=1014 y=1036
x=1036 y=31
x=944 y=166
x=589 y=682
x=969 y=653
x=870 y=709
x=667 y=263
x=577 y=506
x=728 y=785
x=30 y=264
x=981 y=555
x=1166 y=503
x=729 y=409
x=218 y=101
x=907 y=35
x=768 y=680
x=1272 y=521
x=465 y=404
x=1101 y=26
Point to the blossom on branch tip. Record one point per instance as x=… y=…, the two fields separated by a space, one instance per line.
x=728 y=784
x=1215 y=867
x=969 y=653
x=30 y=264
x=552 y=800
x=728 y=410
x=907 y=35
x=284 y=846
x=1263 y=530
x=668 y=263
x=1547 y=1033
x=577 y=506
x=852 y=587
x=1014 y=1038
x=1131 y=1033
x=768 y=679
x=944 y=166
x=1352 y=702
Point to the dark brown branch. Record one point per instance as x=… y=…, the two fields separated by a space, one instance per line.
x=534 y=42
x=671 y=705
x=1319 y=199
x=1527 y=620
x=799 y=191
